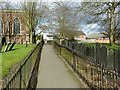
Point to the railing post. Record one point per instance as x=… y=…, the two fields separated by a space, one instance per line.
x=20 y=78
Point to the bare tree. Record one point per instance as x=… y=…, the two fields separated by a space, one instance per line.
x=65 y=19
x=32 y=16
x=104 y=14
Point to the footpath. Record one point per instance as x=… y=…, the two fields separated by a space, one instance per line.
x=53 y=73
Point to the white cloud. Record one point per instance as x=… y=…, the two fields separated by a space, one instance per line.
x=90 y=28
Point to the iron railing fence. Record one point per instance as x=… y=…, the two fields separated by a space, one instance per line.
x=97 y=66
x=22 y=75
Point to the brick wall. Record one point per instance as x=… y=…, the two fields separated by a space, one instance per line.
x=8 y=17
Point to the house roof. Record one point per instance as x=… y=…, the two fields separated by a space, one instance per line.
x=96 y=35
x=81 y=32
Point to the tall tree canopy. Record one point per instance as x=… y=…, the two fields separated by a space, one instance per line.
x=34 y=11
x=105 y=14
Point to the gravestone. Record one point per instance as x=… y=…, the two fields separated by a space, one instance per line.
x=83 y=49
x=66 y=44
x=80 y=46
x=92 y=51
x=110 y=60
x=73 y=45
x=103 y=55
x=98 y=57
x=62 y=43
x=88 y=51
x=77 y=48
x=27 y=44
x=0 y=47
x=92 y=54
x=117 y=61
x=6 y=47
x=3 y=41
x=11 y=46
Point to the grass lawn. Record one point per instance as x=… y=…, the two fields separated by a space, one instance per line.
x=10 y=58
x=114 y=46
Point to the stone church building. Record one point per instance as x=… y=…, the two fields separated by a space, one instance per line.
x=13 y=26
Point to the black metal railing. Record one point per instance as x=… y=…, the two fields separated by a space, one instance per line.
x=23 y=75
x=92 y=67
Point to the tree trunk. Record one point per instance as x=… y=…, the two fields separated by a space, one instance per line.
x=31 y=38
x=111 y=39
x=34 y=38
x=112 y=25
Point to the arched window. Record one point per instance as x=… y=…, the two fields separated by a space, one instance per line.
x=16 y=26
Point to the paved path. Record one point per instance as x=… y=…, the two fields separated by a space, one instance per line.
x=53 y=73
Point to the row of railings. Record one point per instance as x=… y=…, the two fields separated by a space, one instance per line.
x=25 y=76
x=98 y=66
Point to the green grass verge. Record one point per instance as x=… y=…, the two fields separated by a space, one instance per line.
x=113 y=47
x=10 y=58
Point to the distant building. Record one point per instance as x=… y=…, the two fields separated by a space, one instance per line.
x=47 y=37
x=98 y=38
x=118 y=38
x=13 y=27
x=81 y=36
x=102 y=40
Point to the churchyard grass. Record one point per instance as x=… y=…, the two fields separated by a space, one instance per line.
x=11 y=58
x=113 y=47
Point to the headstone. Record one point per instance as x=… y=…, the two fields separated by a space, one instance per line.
x=11 y=46
x=76 y=46
x=103 y=55
x=70 y=45
x=80 y=46
x=110 y=60
x=117 y=61
x=3 y=41
x=73 y=45
x=88 y=51
x=92 y=54
x=83 y=49
x=98 y=57
x=62 y=42
x=0 y=47
x=92 y=51
x=66 y=44
x=27 y=44
x=6 y=47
